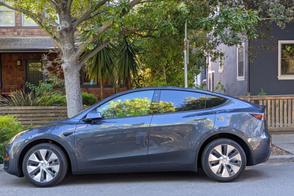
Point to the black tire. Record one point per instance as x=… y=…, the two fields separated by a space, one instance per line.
x=225 y=163
x=62 y=161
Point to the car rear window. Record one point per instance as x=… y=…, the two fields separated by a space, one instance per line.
x=176 y=101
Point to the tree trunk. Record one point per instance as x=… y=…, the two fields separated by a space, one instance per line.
x=74 y=100
x=101 y=87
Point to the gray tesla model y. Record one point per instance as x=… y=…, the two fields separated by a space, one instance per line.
x=143 y=130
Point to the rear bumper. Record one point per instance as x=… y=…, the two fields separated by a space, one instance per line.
x=261 y=149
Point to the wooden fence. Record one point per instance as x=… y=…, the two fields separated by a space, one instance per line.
x=279 y=111
x=35 y=115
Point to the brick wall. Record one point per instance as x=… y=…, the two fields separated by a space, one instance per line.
x=20 y=31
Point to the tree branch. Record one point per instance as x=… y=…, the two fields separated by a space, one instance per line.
x=88 y=14
x=85 y=57
x=68 y=5
x=102 y=29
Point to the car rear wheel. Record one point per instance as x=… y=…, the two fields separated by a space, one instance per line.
x=45 y=165
x=223 y=160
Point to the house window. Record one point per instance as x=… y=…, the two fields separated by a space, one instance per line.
x=28 y=22
x=7 y=17
x=88 y=82
x=221 y=62
x=286 y=60
x=34 y=72
x=241 y=62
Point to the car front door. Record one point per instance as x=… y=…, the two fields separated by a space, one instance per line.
x=179 y=118
x=119 y=139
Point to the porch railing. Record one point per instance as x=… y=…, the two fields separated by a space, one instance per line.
x=279 y=111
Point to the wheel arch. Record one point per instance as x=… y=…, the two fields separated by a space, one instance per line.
x=28 y=146
x=231 y=136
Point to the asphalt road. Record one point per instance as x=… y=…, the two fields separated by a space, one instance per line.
x=267 y=179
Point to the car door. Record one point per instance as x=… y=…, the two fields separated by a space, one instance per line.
x=179 y=118
x=118 y=139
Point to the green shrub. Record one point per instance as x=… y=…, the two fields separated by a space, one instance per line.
x=19 y=98
x=55 y=99
x=9 y=126
x=45 y=87
x=89 y=99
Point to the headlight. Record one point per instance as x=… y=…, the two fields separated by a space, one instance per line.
x=16 y=136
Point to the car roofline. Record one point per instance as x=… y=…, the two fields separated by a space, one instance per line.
x=78 y=116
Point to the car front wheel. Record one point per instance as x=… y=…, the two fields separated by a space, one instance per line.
x=223 y=160
x=45 y=165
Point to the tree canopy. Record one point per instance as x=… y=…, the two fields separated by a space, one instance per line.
x=148 y=33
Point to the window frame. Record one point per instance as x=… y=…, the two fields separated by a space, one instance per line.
x=8 y=10
x=27 y=63
x=154 y=98
x=221 y=63
x=280 y=75
x=210 y=81
x=83 y=84
x=29 y=26
x=241 y=78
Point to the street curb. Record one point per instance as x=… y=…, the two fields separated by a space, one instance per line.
x=281 y=159
x=1 y=167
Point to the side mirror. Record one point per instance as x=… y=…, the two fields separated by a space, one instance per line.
x=93 y=115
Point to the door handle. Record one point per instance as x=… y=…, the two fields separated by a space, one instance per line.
x=67 y=133
x=138 y=124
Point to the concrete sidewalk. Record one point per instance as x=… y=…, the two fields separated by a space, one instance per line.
x=285 y=143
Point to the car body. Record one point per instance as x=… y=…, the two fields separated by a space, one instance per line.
x=149 y=129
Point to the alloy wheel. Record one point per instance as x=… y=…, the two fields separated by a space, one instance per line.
x=225 y=160
x=43 y=165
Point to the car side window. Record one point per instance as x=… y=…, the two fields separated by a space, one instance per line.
x=131 y=104
x=213 y=101
x=176 y=101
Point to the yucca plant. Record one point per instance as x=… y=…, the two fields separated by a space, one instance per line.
x=126 y=61
x=101 y=66
x=19 y=98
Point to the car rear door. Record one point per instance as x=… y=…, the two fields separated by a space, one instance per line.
x=178 y=120
x=119 y=140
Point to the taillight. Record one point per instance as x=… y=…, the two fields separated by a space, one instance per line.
x=258 y=116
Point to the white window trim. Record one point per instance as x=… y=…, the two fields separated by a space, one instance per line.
x=280 y=75
x=22 y=22
x=12 y=25
x=210 y=81
x=241 y=78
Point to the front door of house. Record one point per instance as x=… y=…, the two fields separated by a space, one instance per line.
x=18 y=69
x=13 y=72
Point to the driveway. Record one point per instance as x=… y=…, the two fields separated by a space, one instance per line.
x=266 y=179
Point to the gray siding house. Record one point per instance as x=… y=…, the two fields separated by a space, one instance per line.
x=262 y=65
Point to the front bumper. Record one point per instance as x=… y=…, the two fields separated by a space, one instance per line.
x=11 y=165
x=260 y=149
